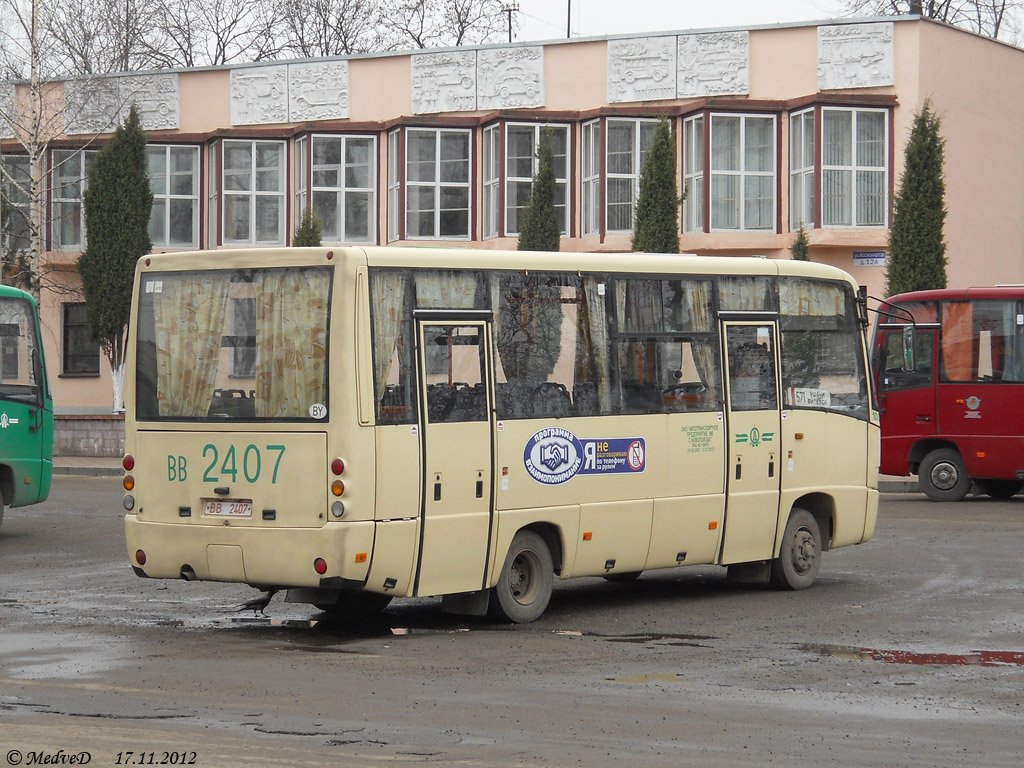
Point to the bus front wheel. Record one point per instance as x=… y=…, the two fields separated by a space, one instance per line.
x=524 y=585
x=943 y=477
x=798 y=562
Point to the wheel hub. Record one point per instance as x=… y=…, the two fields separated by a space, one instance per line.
x=944 y=476
x=804 y=552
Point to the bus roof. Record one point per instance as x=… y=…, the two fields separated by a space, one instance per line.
x=10 y=291
x=466 y=258
x=960 y=294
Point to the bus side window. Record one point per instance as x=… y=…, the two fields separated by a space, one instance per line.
x=893 y=375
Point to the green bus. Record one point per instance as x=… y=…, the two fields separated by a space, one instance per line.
x=26 y=405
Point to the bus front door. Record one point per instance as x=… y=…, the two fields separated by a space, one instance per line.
x=753 y=431
x=457 y=448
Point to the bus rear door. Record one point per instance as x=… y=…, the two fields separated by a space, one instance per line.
x=754 y=440
x=457 y=448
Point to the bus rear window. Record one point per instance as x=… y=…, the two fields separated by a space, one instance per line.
x=17 y=351
x=233 y=345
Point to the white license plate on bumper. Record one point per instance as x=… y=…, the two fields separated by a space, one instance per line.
x=225 y=508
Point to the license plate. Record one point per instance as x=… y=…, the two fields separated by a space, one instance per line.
x=224 y=508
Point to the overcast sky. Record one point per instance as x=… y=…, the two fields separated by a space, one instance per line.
x=546 y=19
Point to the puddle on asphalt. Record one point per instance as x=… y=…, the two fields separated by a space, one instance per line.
x=47 y=656
x=688 y=641
x=969 y=659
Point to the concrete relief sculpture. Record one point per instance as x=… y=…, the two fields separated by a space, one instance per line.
x=156 y=97
x=508 y=78
x=641 y=69
x=713 y=64
x=259 y=95
x=91 y=106
x=7 y=117
x=318 y=91
x=855 y=56
x=443 y=82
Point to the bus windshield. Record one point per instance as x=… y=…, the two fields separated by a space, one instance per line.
x=233 y=345
x=19 y=377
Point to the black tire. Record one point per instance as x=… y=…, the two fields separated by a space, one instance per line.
x=942 y=475
x=524 y=584
x=799 y=559
x=1000 y=489
x=623 y=578
x=356 y=602
x=1 y=512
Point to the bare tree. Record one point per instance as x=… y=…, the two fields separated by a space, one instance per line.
x=331 y=27
x=441 y=23
x=216 y=32
x=993 y=18
x=101 y=36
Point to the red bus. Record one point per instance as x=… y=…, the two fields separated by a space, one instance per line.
x=952 y=399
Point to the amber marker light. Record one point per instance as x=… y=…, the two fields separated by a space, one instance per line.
x=361 y=557
x=713 y=525
x=588 y=535
x=320 y=566
x=128 y=482
x=337 y=487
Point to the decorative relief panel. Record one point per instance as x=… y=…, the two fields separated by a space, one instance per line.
x=259 y=95
x=318 y=91
x=443 y=82
x=641 y=69
x=714 y=63
x=156 y=97
x=508 y=78
x=855 y=56
x=91 y=106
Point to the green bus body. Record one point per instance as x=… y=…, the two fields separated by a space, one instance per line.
x=26 y=404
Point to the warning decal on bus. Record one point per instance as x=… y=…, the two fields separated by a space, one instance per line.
x=554 y=456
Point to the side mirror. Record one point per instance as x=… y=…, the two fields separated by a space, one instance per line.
x=908 y=349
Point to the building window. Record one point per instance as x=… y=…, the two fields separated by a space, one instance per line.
x=591 y=178
x=522 y=142
x=394 y=187
x=437 y=176
x=70 y=175
x=628 y=142
x=212 y=212
x=742 y=172
x=693 y=174
x=81 y=355
x=15 y=206
x=254 y=192
x=492 y=181
x=344 y=170
x=801 y=170
x=854 y=167
x=174 y=179
x=301 y=178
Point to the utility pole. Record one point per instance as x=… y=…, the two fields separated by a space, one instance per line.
x=510 y=8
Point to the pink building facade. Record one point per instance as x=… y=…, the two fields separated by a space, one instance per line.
x=776 y=128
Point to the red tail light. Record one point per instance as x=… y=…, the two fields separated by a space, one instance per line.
x=128 y=463
x=320 y=566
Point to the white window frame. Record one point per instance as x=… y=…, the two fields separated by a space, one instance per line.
x=437 y=185
x=253 y=195
x=343 y=189
x=213 y=195
x=62 y=160
x=394 y=187
x=693 y=174
x=491 y=199
x=166 y=195
x=801 y=168
x=560 y=181
x=16 y=177
x=855 y=168
x=743 y=174
x=639 y=153
x=301 y=179
x=591 y=177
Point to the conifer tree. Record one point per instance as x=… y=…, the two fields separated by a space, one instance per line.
x=656 y=225
x=118 y=201
x=308 y=232
x=801 y=248
x=539 y=229
x=917 y=249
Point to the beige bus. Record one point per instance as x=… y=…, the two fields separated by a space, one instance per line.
x=358 y=424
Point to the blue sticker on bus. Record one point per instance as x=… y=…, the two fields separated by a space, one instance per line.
x=554 y=456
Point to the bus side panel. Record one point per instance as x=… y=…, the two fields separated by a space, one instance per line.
x=394 y=554
x=620 y=537
x=398 y=476
x=565 y=519
x=828 y=454
x=687 y=526
x=987 y=420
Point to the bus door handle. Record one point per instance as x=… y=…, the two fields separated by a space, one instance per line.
x=33 y=425
x=771 y=465
x=923 y=418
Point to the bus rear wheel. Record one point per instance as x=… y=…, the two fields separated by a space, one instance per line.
x=798 y=562
x=524 y=584
x=943 y=477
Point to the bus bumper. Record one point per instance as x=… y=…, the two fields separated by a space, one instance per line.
x=278 y=557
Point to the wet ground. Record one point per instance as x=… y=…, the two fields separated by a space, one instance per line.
x=908 y=651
